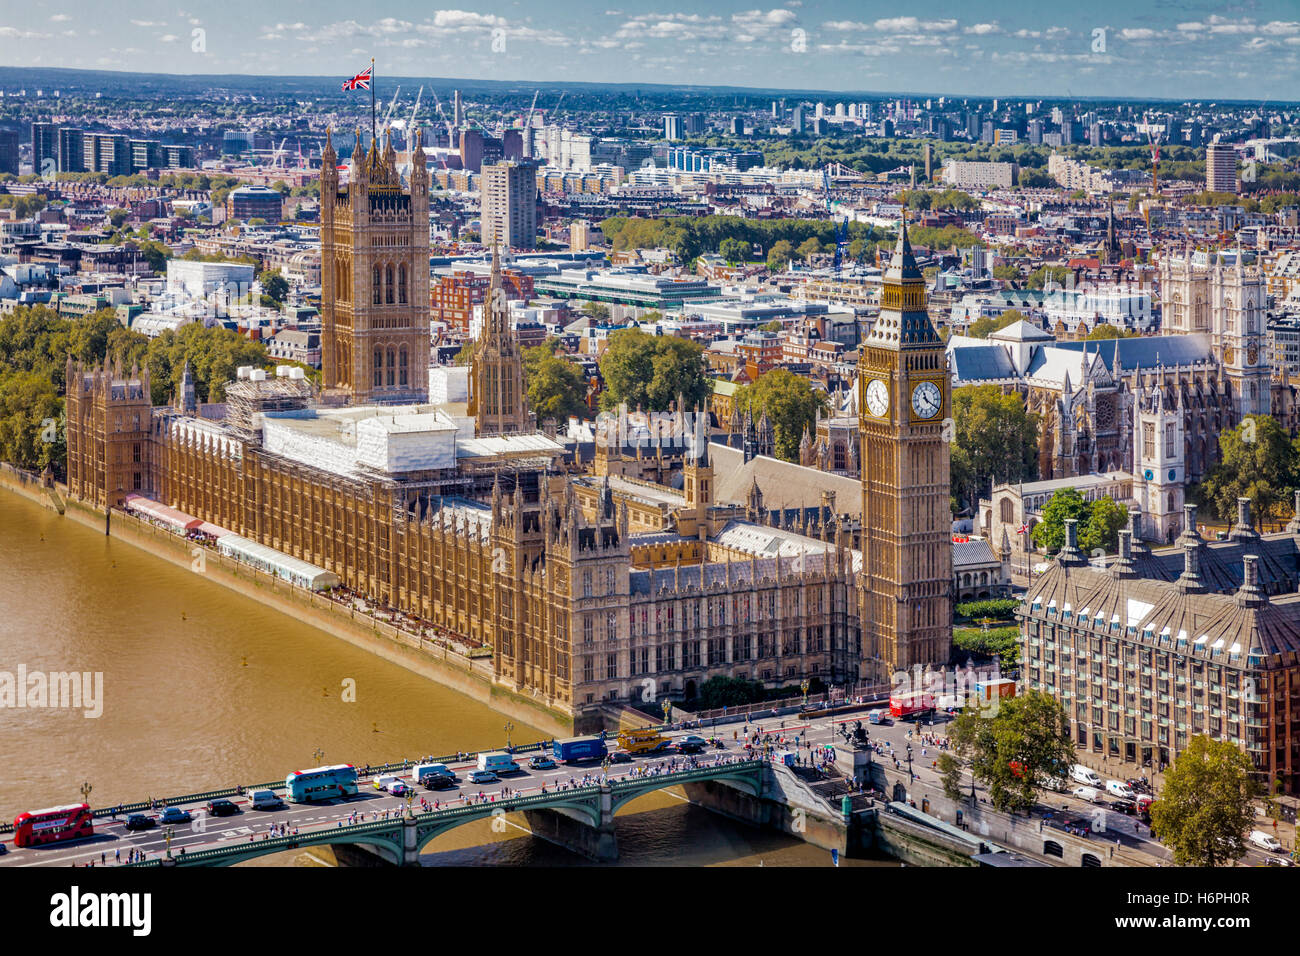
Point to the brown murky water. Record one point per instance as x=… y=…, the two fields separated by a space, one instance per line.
x=203 y=688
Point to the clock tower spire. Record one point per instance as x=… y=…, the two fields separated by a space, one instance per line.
x=904 y=400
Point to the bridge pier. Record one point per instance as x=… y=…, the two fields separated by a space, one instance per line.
x=573 y=830
x=360 y=855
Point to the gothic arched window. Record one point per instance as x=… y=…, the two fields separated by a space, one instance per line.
x=401 y=284
x=401 y=366
x=379 y=366
x=388 y=289
x=378 y=291
x=392 y=364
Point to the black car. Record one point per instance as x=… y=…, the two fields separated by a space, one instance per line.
x=439 y=781
x=1123 y=806
x=139 y=821
x=689 y=748
x=222 y=808
x=618 y=756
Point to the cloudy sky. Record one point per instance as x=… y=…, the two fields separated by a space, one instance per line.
x=1248 y=50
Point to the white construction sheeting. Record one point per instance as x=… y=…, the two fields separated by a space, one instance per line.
x=448 y=383
x=266 y=559
x=398 y=443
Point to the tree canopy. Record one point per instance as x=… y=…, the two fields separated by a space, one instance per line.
x=994 y=439
x=556 y=387
x=791 y=404
x=1013 y=746
x=1099 y=522
x=1257 y=460
x=1205 y=809
x=986 y=325
x=652 y=371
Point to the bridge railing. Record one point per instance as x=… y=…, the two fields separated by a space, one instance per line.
x=448 y=813
x=278 y=785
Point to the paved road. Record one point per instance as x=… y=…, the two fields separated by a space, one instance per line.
x=206 y=832
x=372 y=804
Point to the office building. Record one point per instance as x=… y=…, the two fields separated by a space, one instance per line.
x=1220 y=168
x=509 y=205
x=45 y=146
x=9 y=151
x=672 y=126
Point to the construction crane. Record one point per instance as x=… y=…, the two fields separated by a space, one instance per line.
x=1155 y=163
x=277 y=155
x=555 y=111
x=388 y=117
x=438 y=103
x=410 y=123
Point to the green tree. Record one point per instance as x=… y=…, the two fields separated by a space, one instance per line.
x=556 y=387
x=986 y=325
x=779 y=256
x=950 y=773
x=1006 y=273
x=1039 y=276
x=734 y=251
x=597 y=310
x=651 y=371
x=1101 y=530
x=117 y=217
x=994 y=439
x=274 y=286
x=1065 y=503
x=1104 y=330
x=1023 y=740
x=1205 y=808
x=808 y=248
x=791 y=403
x=31 y=427
x=1257 y=460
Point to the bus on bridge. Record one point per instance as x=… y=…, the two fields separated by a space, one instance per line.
x=322 y=783
x=53 y=825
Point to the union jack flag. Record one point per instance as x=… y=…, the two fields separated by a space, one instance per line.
x=1024 y=529
x=359 y=82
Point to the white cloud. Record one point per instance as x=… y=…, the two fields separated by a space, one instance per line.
x=149 y=23
x=1137 y=34
x=983 y=29
x=912 y=24
x=168 y=38
x=60 y=18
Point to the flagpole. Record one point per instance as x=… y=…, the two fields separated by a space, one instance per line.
x=372 y=99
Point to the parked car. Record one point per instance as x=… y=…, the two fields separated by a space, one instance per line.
x=222 y=808
x=541 y=763
x=483 y=776
x=174 y=815
x=619 y=756
x=140 y=821
x=1123 y=806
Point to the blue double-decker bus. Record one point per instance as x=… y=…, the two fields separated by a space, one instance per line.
x=323 y=783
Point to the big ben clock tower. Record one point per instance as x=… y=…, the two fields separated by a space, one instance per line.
x=904 y=399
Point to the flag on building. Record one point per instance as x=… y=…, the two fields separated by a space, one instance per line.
x=359 y=82
x=1024 y=529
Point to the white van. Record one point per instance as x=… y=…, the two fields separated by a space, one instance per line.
x=1089 y=794
x=1054 y=783
x=1265 y=841
x=432 y=770
x=499 y=763
x=264 y=800
x=1081 y=774
x=1118 y=788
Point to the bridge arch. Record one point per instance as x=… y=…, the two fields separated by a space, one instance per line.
x=585 y=803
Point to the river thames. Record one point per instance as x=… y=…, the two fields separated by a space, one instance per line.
x=204 y=688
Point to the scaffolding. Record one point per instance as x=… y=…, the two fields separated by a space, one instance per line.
x=254 y=394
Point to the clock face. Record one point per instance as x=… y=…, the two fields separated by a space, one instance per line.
x=927 y=400
x=1252 y=354
x=1228 y=355
x=877 y=398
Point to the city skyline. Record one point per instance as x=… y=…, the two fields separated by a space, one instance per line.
x=1175 y=50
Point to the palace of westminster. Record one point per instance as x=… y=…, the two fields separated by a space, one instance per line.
x=584 y=579
x=594 y=578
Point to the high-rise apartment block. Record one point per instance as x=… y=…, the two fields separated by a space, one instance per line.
x=509 y=209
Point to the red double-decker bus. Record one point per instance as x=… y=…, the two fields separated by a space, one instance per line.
x=53 y=825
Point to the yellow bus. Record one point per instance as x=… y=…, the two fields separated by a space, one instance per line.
x=642 y=741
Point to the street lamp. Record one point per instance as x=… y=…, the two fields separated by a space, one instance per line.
x=910 y=775
x=668 y=711
x=410 y=797
x=167 y=834
x=85 y=791
x=317 y=754
x=803 y=686
x=509 y=727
